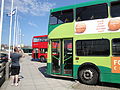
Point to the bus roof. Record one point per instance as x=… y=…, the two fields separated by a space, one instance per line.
x=40 y=36
x=81 y=5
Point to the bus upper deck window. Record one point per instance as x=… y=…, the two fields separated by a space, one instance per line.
x=35 y=40
x=115 y=9
x=67 y=15
x=60 y=17
x=53 y=18
x=98 y=11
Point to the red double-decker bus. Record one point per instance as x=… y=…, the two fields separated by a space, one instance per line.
x=40 y=45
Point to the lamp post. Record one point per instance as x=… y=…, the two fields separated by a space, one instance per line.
x=8 y=63
x=15 y=22
x=10 y=28
x=17 y=31
x=1 y=21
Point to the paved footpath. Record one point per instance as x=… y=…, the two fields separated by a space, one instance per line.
x=33 y=77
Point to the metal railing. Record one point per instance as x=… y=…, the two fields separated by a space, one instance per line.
x=4 y=71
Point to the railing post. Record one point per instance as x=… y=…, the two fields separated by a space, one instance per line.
x=7 y=71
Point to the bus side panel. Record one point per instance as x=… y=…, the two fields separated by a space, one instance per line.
x=115 y=77
x=111 y=77
x=104 y=76
x=49 y=59
x=75 y=71
x=49 y=68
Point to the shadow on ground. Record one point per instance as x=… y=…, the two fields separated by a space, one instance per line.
x=2 y=80
x=113 y=85
x=102 y=84
x=43 y=71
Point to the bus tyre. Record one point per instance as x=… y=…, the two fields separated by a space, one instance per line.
x=88 y=76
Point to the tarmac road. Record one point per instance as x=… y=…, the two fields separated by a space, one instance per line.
x=33 y=77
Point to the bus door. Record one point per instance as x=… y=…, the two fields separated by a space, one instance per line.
x=56 y=56
x=36 y=53
x=67 y=57
x=62 y=57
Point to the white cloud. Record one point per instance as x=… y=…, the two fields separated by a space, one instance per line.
x=33 y=7
x=32 y=24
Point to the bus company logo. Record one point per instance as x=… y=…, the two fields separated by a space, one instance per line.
x=115 y=64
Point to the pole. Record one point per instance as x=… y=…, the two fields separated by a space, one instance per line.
x=1 y=21
x=8 y=63
x=20 y=36
x=17 y=32
x=14 y=29
x=10 y=29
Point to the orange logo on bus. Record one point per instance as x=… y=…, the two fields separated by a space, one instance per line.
x=115 y=64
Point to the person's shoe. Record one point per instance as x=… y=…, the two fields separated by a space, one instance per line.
x=16 y=84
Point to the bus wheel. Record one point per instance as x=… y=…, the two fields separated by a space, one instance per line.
x=88 y=76
x=42 y=59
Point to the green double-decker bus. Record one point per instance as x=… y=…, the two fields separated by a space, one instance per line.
x=84 y=42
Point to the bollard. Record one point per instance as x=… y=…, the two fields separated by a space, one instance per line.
x=7 y=71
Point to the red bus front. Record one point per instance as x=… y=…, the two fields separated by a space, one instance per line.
x=40 y=45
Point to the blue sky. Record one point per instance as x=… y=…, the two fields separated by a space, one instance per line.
x=33 y=17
